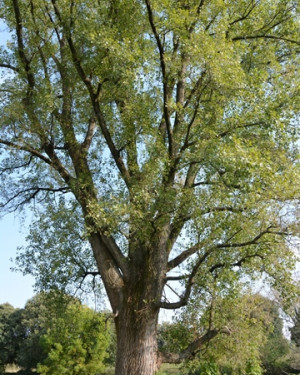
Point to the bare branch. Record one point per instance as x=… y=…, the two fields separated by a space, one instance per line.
x=223 y=209
x=253 y=241
x=15 y=167
x=247 y=12
x=183 y=218
x=8 y=66
x=184 y=255
x=21 y=50
x=173 y=290
x=193 y=348
x=26 y=148
x=195 y=88
x=157 y=37
x=89 y=135
x=239 y=263
x=34 y=191
x=176 y=278
x=192 y=250
x=164 y=75
x=200 y=6
x=244 y=126
x=263 y=36
x=190 y=282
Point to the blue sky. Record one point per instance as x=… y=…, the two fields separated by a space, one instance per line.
x=14 y=287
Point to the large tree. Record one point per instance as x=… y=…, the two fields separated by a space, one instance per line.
x=168 y=130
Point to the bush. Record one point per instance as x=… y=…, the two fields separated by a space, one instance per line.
x=76 y=343
x=206 y=368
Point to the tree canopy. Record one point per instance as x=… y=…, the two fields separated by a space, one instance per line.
x=8 y=329
x=53 y=333
x=254 y=343
x=75 y=343
x=295 y=329
x=157 y=141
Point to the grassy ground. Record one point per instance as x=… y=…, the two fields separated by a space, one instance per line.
x=169 y=370
x=164 y=370
x=11 y=369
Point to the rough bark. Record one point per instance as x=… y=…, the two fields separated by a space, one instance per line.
x=134 y=289
x=136 y=342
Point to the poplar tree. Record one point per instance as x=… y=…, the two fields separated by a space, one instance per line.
x=157 y=141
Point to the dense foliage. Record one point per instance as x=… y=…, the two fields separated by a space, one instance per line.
x=157 y=141
x=62 y=336
x=253 y=344
x=9 y=319
x=55 y=334
x=295 y=329
x=75 y=343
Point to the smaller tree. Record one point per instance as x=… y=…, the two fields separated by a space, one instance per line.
x=33 y=323
x=295 y=330
x=31 y=337
x=9 y=330
x=33 y=320
x=274 y=352
x=245 y=326
x=76 y=343
x=251 y=327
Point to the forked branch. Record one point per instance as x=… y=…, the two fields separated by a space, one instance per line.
x=191 y=351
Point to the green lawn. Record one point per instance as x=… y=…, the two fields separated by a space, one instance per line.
x=11 y=369
x=165 y=369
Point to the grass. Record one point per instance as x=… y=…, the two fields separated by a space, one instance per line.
x=11 y=369
x=165 y=369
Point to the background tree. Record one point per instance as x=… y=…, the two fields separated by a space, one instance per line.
x=35 y=319
x=75 y=343
x=168 y=130
x=32 y=337
x=274 y=354
x=247 y=316
x=9 y=333
x=295 y=329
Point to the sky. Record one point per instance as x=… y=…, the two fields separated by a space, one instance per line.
x=15 y=288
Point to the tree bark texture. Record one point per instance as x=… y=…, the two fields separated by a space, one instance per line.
x=134 y=299
x=136 y=342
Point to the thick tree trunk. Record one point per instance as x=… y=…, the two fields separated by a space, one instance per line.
x=134 y=290
x=136 y=342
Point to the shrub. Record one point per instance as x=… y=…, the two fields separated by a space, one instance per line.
x=76 y=343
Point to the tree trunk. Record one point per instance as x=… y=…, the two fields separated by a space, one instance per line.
x=136 y=341
x=134 y=299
